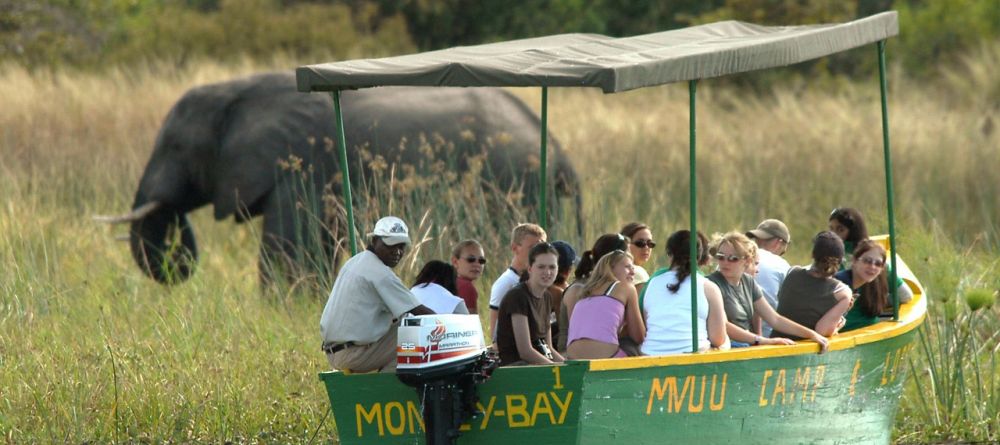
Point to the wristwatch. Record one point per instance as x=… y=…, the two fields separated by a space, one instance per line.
x=756 y=340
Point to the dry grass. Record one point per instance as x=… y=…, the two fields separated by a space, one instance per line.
x=90 y=350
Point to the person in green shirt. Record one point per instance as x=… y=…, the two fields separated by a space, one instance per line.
x=868 y=279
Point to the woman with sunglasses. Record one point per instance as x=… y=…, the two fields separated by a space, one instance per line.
x=468 y=259
x=812 y=297
x=523 y=334
x=743 y=298
x=607 y=243
x=869 y=281
x=666 y=303
x=640 y=246
x=608 y=304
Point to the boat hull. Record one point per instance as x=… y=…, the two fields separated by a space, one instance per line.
x=845 y=396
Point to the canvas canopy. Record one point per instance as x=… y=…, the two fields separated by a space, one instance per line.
x=611 y=64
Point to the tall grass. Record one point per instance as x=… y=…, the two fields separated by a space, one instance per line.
x=91 y=350
x=955 y=390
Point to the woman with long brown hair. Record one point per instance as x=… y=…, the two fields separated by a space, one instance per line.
x=666 y=303
x=641 y=245
x=869 y=280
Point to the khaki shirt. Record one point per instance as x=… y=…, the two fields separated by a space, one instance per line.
x=365 y=299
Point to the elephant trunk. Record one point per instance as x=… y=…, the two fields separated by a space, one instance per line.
x=163 y=245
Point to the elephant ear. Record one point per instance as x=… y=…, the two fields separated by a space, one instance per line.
x=267 y=138
x=246 y=174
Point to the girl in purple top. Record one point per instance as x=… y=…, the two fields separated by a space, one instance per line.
x=609 y=305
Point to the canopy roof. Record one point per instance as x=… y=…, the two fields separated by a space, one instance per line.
x=611 y=64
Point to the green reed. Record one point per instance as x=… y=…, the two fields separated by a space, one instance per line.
x=954 y=393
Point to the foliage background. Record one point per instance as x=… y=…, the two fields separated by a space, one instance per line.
x=98 y=34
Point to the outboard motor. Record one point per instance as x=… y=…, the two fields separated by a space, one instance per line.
x=444 y=358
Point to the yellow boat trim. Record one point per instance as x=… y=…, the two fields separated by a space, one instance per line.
x=910 y=316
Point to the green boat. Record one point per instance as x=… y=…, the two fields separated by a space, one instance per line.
x=765 y=394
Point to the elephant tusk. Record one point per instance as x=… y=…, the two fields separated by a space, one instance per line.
x=124 y=237
x=136 y=214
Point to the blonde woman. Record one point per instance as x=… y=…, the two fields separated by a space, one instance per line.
x=607 y=243
x=608 y=305
x=743 y=297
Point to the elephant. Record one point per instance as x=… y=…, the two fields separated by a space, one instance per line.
x=245 y=145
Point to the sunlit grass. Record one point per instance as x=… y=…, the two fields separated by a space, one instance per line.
x=91 y=350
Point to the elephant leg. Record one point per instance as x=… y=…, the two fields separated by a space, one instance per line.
x=296 y=243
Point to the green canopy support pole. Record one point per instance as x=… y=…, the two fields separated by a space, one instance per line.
x=542 y=205
x=693 y=204
x=345 y=172
x=893 y=272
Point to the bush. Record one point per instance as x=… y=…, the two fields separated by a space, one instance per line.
x=935 y=33
x=92 y=34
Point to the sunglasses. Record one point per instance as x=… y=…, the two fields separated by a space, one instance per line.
x=873 y=261
x=642 y=244
x=475 y=259
x=728 y=258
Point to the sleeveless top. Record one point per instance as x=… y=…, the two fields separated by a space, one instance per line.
x=597 y=317
x=805 y=299
x=668 y=315
x=439 y=299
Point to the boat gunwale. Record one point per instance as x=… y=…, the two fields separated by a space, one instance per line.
x=912 y=315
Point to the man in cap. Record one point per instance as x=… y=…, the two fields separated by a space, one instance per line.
x=362 y=314
x=772 y=238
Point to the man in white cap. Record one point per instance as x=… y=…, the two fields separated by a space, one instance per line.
x=772 y=238
x=362 y=314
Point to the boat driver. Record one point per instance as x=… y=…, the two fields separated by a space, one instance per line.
x=362 y=315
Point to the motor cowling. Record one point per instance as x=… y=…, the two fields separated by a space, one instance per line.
x=444 y=358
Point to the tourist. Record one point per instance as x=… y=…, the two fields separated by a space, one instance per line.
x=522 y=239
x=609 y=304
x=772 y=238
x=567 y=259
x=523 y=334
x=605 y=244
x=744 y=300
x=869 y=282
x=666 y=303
x=812 y=297
x=468 y=259
x=435 y=288
x=640 y=246
x=849 y=225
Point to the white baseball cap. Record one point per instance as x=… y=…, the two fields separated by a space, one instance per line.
x=392 y=230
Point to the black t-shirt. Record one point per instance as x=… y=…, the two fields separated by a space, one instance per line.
x=520 y=301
